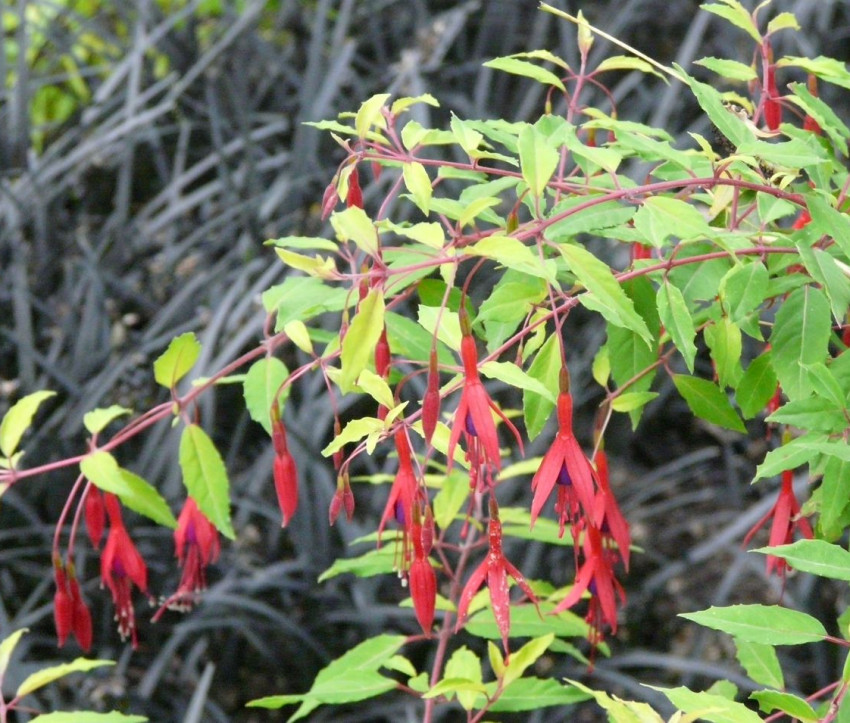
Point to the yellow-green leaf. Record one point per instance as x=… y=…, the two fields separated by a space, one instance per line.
x=205 y=477
x=369 y=114
x=98 y=419
x=18 y=419
x=353 y=224
x=47 y=675
x=177 y=360
x=358 y=346
x=261 y=384
x=419 y=184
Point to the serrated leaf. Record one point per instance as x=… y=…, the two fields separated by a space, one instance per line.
x=677 y=320
x=402 y=104
x=18 y=419
x=428 y=233
x=800 y=336
x=822 y=113
x=626 y=62
x=369 y=114
x=87 y=716
x=176 y=361
x=97 y=420
x=797 y=708
x=835 y=496
x=788 y=456
x=757 y=386
x=526 y=622
x=319 y=266
x=782 y=21
x=352 y=224
x=736 y=14
x=661 y=217
x=469 y=212
x=538 y=159
x=710 y=100
x=630 y=401
x=302 y=298
x=416 y=181
x=707 y=401
x=705 y=706
x=605 y=294
x=828 y=69
x=525 y=657
x=134 y=492
x=358 y=346
x=261 y=384
x=380 y=561
x=47 y=675
x=526 y=69
x=465 y=665
x=743 y=289
x=815 y=556
x=724 y=341
x=513 y=254
x=448 y=331
x=205 y=477
x=768 y=624
x=526 y=694
x=824 y=269
x=731 y=69
x=760 y=663
x=512 y=375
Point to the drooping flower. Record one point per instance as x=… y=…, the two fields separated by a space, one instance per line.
x=564 y=464
x=121 y=566
x=401 y=499
x=473 y=417
x=809 y=123
x=607 y=514
x=285 y=471
x=354 y=197
x=423 y=579
x=95 y=514
x=772 y=107
x=596 y=576
x=786 y=520
x=70 y=612
x=343 y=499
x=82 y=616
x=494 y=570
x=431 y=400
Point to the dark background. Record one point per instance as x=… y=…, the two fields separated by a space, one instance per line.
x=136 y=211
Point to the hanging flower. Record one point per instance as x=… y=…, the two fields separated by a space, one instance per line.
x=402 y=496
x=121 y=566
x=564 y=465
x=494 y=570
x=70 y=612
x=285 y=471
x=431 y=400
x=772 y=107
x=612 y=524
x=423 y=579
x=473 y=417
x=343 y=499
x=786 y=520
x=95 y=514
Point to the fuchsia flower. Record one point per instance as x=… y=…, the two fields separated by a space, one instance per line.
x=565 y=465
x=494 y=570
x=596 y=576
x=121 y=566
x=473 y=417
x=343 y=499
x=786 y=519
x=95 y=514
x=431 y=400
x=772 y=107
x=402 y=497
x=285 y=471
x=70 y=612
x=423 y=580
x=607 y=514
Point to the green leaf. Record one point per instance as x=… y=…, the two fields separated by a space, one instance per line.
x=176 y=361
x=205 y=477
x=348 y=679
x=583 y=214
x=813 y=413
x=97 y=420
x=353 y=224
x=797 y=708
x=736 y=14
x=353 y=431
x=513 y=376
x=448 y=331
x=87 y=716
x=788 y=456
x=828 y=69
x=526 y=694
x=380 y=561
x=724 y=341
x=743 y=289
x=261 y=384
x=369 y=114
x=626 y=62
x=632 y=400
x=800 y=336
x=757 y=386
x=525 y=657
x=760 y=662
x=546 y=368
x=768 y=624
x=661 y=217
x=47 y=675
x=835 y=496
x=513 y=254
x=824 y=269
x=710 y=100
x=358 y=346
x=538 y=159
x=782 y=21
x=823 y=114
x=707 y=706
x=18 y=419
x=7 y=647
x=526 y=69
x=527 y=623
x=708 y=402
x=402 y=104
x=731 y=69
x=447 y=502
x=301 y=298
x=464 y=664
x=605 y=294
x=103 y=471
x=673 y=310
x=416 y=181
x=621 y=711
x=815 y=556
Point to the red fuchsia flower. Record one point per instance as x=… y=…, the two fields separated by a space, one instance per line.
x=355 y=194
x=607 y=514
x=329 y=199
x=786 y=519
x=423 y=580
x=803 y=219
x=70 y=612
x=641 y=251
x=121 y=566
x=494 y=570
x=772 y=107
x=809 y=123
x=285 y=471
x=431 y=400
x=95 y=514
x=473 y=417
x=596 y=576
x=403 y=494
x=566 y=466
x=196 y=545
x=343 y=499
